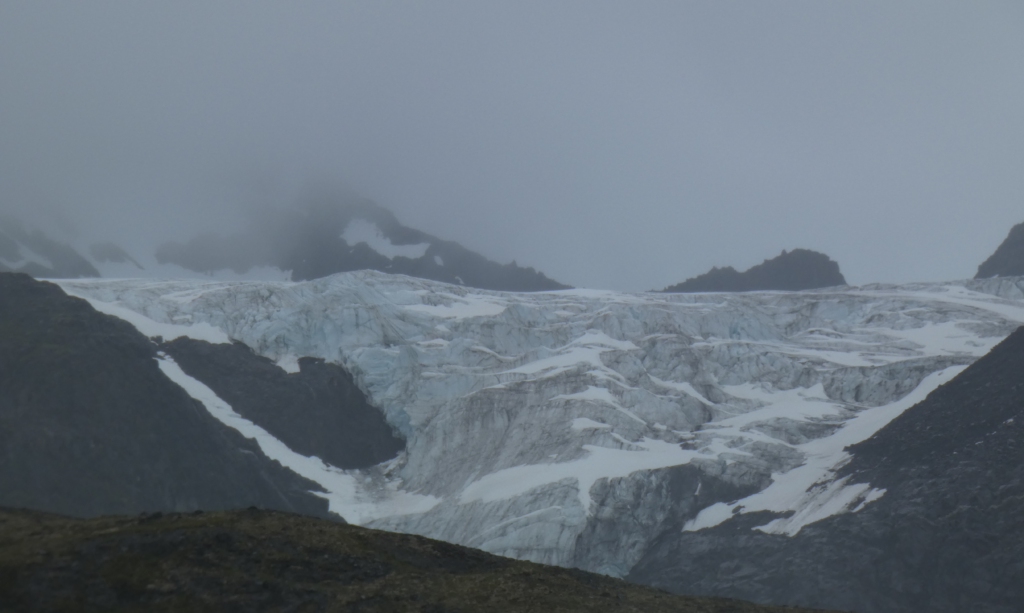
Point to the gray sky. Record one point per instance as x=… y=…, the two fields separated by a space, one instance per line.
x=623 y=145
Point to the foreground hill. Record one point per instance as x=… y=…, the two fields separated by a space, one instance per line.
x=270 y=561
x=794 y=270
x=1008 y=258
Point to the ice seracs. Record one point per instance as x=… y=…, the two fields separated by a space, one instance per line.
x=572 y=426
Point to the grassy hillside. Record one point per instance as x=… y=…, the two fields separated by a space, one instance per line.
x=255 y=560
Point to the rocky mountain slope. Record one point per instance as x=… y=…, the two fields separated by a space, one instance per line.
x=794 y=270
x=90 y=424
x=1008 y=258
x=945 y=535
x=268 y=561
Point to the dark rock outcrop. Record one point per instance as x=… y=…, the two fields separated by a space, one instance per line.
x=308 y=241
x=90 y=425
x=316 y=411
x=946 y=536
x=794 y=270
x=254 y=560
x=1008 y=258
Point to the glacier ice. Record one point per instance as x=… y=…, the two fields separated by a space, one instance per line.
x=571 y=427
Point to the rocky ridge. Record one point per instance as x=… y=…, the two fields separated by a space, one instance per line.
x=794 y=270
x=1008 y=258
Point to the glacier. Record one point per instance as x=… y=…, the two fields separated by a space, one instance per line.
x=572 y=427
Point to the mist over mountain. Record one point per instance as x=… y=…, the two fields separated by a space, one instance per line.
x=327 y=236
x=1008 y=258
x=32 y=252
x=313 y=239
x=794 y=270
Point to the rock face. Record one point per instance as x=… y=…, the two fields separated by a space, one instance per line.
x=326 y=237
x=794 y=270
x=1008 y=259
x=584 y=428
x=317 y=411
x=946 y=535
x=255 y=560
x=89 y=424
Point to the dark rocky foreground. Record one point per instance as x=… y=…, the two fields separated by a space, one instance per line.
x=947 y=535
x=794 y=270
x=253 y=560
x=90 y=425
x=1008 y=258
x=307 y=241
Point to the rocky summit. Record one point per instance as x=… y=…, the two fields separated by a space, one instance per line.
x=1008 y=258
x=253 y=560
x=794 y=270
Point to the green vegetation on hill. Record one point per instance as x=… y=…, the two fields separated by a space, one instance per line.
x=254 y=560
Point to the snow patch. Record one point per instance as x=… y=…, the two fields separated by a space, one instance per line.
x=362 y=231
x=288 y=363
x=599 y=463
x=345 y=492
x=582 y=423
x=809 y=490
x=201 y=331
x=460 y=307
x=684 y=387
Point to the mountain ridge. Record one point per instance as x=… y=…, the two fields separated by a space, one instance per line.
x=794 y=270
x=1008 y=258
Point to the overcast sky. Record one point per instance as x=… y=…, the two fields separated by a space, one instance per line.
x=623 y=145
